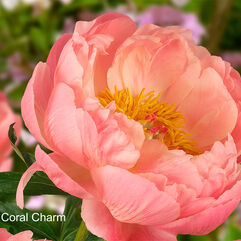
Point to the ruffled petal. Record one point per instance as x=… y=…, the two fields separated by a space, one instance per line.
x=204 y=222
x=133 y=199
x=156 y=158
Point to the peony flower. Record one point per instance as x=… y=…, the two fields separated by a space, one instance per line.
x=7 y=117
x=142 y=124
x=23 y=236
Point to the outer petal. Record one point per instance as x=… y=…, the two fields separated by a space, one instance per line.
x=112 y=230
x=209 y=219
x=61 y=123
x=133 y=199
x=34 y=102
x=55 y=52
x=58 y=172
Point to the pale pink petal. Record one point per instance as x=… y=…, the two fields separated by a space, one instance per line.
x=61 y=123
x=133 y=199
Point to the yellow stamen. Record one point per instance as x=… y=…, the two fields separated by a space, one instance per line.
x=159 y=119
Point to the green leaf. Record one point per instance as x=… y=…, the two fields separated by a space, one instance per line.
x=39 y=184
x=12 y=134
x=27 y=158
x=40 y=229
x=73 y=220
x=232 y=232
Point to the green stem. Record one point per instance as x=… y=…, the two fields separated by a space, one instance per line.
x=82 y=232
x=218 y=24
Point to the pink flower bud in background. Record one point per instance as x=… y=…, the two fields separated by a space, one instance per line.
x=7 y=117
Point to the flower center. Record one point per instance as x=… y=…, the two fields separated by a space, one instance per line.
x=159 y=119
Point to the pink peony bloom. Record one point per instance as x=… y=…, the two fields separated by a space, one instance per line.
x=144 y=126
x=23 y=236
x=7 y=117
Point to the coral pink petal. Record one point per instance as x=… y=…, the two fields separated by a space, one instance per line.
x=232 y=82
x=61 y=123
x=32 y=108
x=209 y=219
x=61 y=179
x=133 y=199
x=120 y=74
x=55 y=52
x=110 y=229
x=167 y=65
x=4 y=234
x=23 y=182
x=23 y=236
x=69 y=70
x=209 y=119
x=156 y=158
x=6 y=165
x=150 y=233
x=119 y=28
x=107 y=140
x=107 y=227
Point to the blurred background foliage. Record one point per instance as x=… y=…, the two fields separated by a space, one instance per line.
x=28 y=29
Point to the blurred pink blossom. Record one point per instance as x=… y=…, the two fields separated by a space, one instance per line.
x=167 y=16
x=55 y=203
x=234 y=58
